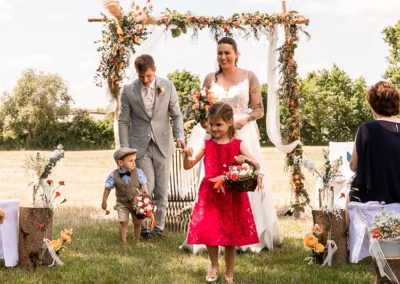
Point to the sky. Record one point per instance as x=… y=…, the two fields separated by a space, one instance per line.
x=55 y=37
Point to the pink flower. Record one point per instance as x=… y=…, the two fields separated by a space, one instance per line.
x=107 y=212
x=65 y=200
x=49 y=181
x=342 y=195
x=61 y=182
x=58 y=194
x=42 y=225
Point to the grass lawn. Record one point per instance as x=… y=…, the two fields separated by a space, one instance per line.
x=95 y=255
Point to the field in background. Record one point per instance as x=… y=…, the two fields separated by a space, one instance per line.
x=84 y=173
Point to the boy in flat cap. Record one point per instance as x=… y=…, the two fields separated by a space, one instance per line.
x=128 y=182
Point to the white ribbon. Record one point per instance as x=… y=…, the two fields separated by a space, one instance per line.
x=332 y=248
x=56 y=259
x=379 y=257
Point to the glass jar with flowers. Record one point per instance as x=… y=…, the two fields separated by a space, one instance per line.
x=328 y=173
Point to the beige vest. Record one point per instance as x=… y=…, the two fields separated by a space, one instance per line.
x=126 y=192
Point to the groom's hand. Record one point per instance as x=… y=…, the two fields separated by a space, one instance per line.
x=181 y=144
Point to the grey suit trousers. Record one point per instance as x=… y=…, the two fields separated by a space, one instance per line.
x=157 y=169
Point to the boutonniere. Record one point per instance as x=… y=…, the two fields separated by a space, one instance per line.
x=160 y=90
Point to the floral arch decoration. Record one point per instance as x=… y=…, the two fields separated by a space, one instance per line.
x=123 y=31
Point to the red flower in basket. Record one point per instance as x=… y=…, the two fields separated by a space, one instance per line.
x=234 y=176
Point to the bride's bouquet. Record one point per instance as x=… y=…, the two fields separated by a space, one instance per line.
x=143 y=207
x=197 y=107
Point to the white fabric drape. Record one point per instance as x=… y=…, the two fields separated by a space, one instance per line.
x=273 y=113
x=9 y=232
x=384 y=268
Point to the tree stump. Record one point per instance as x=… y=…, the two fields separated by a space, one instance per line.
x=338 y=234
x=394 y=264
x=30 y=249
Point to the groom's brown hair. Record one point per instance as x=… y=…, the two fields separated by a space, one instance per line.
x=144 y=62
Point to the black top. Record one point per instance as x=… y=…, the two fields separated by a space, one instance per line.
x=378 y=165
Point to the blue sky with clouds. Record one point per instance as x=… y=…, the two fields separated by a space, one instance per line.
x=55 y=36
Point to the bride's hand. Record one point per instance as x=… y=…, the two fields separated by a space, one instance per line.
x=240 y=122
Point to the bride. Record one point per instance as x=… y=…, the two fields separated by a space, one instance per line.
x=237 y=87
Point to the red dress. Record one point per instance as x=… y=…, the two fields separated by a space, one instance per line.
x=221 y=219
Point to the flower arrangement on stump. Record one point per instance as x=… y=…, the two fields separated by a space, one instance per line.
x=313 y=244
x=328 y=173
x=41 y=166
x=40 y=228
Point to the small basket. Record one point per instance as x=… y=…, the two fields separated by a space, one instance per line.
x=244 y=185
x=140 y=216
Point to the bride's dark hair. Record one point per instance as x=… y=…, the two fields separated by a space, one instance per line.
x=232 y=42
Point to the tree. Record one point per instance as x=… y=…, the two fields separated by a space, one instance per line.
x=334 y=106
x=261 y=123
x=184 y=82
x=392 y=37
x=37 y=103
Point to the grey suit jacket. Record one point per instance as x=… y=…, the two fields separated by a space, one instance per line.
x=135 y=125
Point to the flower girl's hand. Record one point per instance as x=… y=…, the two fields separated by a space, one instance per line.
x=104 y=205
x=240 y=159
x=188 y=151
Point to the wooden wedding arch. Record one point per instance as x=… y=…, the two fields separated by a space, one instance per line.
x=123 y=31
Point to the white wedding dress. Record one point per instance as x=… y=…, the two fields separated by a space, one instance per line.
x=261 y=202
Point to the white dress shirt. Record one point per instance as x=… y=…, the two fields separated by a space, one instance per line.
x=148 y=95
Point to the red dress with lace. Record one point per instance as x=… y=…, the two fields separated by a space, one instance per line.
x=221 y=219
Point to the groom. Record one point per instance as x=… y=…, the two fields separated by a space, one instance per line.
x=147 y=105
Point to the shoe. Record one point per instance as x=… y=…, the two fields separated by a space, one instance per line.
x=212 y=275
x=229 y=280
x=157 y=233
x=146 y=236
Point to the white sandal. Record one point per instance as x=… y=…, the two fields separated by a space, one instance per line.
x=212 y=275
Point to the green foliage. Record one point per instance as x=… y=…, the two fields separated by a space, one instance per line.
x=84 y=132
x=36 y=105
x=35 y=116
x=184 y=82
x=262 y=125
x=334 y=106
x=392 y=37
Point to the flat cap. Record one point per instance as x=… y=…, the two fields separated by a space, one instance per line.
x=121 y=152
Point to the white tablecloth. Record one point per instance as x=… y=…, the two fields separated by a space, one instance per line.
x=361 y=216
x=9 y=232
